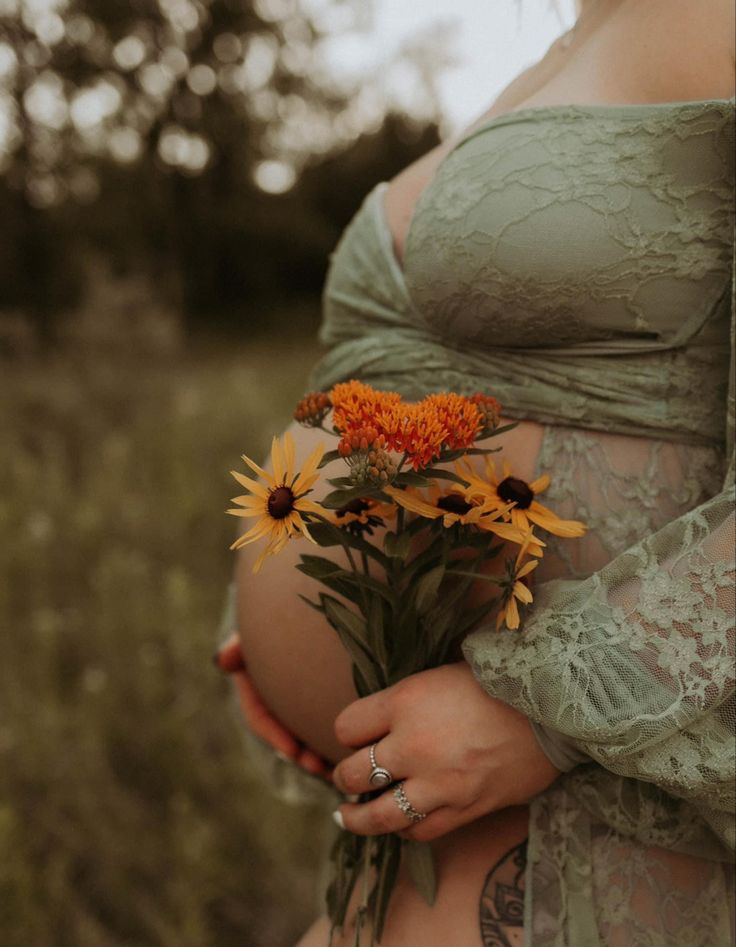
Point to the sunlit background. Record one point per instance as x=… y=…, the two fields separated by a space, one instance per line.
x=173 y=176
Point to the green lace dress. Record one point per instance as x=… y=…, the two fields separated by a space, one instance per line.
x=577 y=263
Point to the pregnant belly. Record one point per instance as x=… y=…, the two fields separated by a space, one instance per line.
x=294 y=657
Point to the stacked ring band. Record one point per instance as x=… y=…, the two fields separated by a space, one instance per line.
x=406 y=807
x=379 y=776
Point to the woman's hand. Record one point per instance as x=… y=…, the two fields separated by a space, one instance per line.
x=229 y=659
x=460 y=752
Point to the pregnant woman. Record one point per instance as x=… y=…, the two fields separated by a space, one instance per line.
x=571 y=254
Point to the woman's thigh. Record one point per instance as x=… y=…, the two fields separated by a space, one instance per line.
x=480 y=894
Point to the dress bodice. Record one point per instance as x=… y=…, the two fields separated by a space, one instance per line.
x=573 y=260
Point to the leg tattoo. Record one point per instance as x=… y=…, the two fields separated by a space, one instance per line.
x=502 y=901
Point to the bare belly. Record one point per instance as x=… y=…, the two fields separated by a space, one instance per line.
x=294 y=658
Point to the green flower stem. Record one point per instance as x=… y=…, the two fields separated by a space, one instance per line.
x=363 y=906
x=478 y=575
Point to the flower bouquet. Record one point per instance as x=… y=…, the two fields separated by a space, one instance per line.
x=413 y=526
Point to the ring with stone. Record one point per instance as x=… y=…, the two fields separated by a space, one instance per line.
x=406 y=807
x=379 y=775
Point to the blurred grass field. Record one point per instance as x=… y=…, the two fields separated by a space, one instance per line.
x=129 y=814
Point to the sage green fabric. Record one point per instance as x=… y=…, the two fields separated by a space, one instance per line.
x=577 y=263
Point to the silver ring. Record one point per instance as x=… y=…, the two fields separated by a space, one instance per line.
x=406 y=807
x=379 y=776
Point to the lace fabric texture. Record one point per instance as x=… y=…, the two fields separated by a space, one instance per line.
x=578 y=264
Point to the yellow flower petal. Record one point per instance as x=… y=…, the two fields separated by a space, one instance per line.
x=239 y=512
x=540 y=484
x=503 y=531
x=255 y=532
x=254 y=502
x=249 y=484
x=309 y=472
x=526 y=569
x=414 y=503
x=308 y=506
x=289 y=455
x=512 y=614
x=548 y=520
x=277 y=461
x=522 y=593
x=263 y=474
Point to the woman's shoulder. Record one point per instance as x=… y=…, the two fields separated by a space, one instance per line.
x=685 y=50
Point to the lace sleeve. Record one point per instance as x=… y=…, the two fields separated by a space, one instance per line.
x=634 y=666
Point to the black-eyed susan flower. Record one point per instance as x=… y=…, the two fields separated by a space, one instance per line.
x=361 y=515
x=281 y=502
x=514 y=590
x=433 y=504
x=454 y=508
x=519 y=496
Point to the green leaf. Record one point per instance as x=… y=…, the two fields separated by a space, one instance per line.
x=325 y=534
x=341 y=482
x=348 y=620
x=328 y=457
x=376 y=634
x=420 y=862
x=338 y=498
x=427 y=587
x=317 y=567
x=447 y=475
x=314 y=605
x=505 y=429
x=360 y=581
x=397 y=547
x=387 y=871
x=340 y=584
x=352 y=630
x=472 y=616
x=346 y=857
x=410 y=478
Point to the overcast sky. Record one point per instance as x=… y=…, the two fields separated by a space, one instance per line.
x=493 y=42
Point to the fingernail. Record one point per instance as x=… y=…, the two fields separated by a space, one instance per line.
x=228 y=661
x=283 y=757
x=338 y=819
x=353 y=797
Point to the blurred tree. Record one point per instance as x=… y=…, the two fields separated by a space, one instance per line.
x=168 y=136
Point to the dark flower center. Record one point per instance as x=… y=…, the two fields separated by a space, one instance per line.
x=280 y=503
x=512 y=489
x=454 y=503
x=356 y=506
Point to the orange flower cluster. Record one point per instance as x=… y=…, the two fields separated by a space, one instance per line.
x=312 y=409
x=421 y=430
x=361 y=438
x=490 y=411
x=356 y=404
x=419 y=433
x=365 y=451
x=458 y=415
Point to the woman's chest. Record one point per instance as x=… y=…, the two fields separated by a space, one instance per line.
x=578 y=224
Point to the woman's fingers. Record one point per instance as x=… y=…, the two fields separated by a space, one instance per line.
x=312 y=763
x=229 y=657
x=365 y=720
x=385 y=813
x=260 y=720
x=352 y=775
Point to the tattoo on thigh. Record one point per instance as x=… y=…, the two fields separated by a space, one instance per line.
x=502 y=901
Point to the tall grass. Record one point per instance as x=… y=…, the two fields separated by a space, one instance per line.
x=129 y=814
